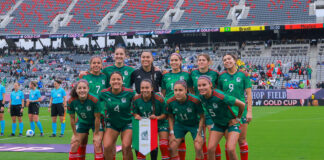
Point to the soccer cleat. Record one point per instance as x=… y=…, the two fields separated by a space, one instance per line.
x=1 y=134
x=20 y=134
x=42 y=134
x=12 y=135
x=62 y=135
x=53 y=135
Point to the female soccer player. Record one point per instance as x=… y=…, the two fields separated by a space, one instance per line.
x=184 y=109
x=218 y=106
x=33 y=107
x=16 y=108
x=151 y=105
x=147 y=71
x=204 y=62
x=119 y=66
x=2 y=103
x=57 y=107
x=167 y=86
x=87 y=107
x=117 y=102
x=97 y=82
x=96 y=79
x=234 y=83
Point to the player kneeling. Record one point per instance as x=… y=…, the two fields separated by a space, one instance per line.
x=218 y=103
x=184 y=110
x=87 y=108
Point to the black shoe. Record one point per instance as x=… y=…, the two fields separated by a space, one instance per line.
x=42 y=134
x=11 y=135
x=1 y=134
x=53 y=135
x=62 y=135
x=20 y=135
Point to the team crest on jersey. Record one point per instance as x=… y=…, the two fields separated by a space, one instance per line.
x=109 y=99
x=90 y=81
x=76 y=109
x=126 y=73
x=225 y=80
x=88 y=108
x=59 y=95
x=176 y=109
x=189 y=110
x=17 y=97
x=197 y=77
x=181 y=78
x=103 y=81
x=238 y=79
x=123 y=100
x=169 y=78
x=215 y=105
x=140 y=107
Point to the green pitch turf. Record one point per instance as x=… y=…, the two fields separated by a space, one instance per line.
x=276 y=133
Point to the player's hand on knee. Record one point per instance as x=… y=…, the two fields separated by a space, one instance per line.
x=232 y=122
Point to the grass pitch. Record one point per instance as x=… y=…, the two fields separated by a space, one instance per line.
x=280 y=133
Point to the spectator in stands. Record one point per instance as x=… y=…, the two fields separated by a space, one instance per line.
x=301 y=85
x=309 y=72
x=272 y=82
x=261 y=84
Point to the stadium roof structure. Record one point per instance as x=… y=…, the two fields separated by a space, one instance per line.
x=78 y=18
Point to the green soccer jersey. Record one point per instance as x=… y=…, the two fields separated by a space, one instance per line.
x=96 y=82
x=186 y=113
x=145 y=109
x=219 y=108
x=117 y=107
x=126 y=72
x=169 y=80
x=195 y=74
x=235 y=85
x=84 y=110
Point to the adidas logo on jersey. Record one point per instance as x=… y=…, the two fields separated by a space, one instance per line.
x=139 y=77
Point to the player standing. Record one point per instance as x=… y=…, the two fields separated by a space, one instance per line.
x=148 y=104
x=117 y=102
x=2 y=103
x=204 y=62
x=33 y=107
x=225 y=120
x=147 y=71
x=235 y=83
x=97 y=81
x=87 y=108
x=167 y=86
x=184 y=110
x=16 y=109
x=119 y=66
x=57 y=107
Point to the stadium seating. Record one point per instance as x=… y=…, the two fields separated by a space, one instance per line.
x=201 y=13
x=88 y=14
x=34 y=17
x=273 y=12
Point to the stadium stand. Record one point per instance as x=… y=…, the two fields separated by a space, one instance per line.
x=36 y=16
x=272 y=12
